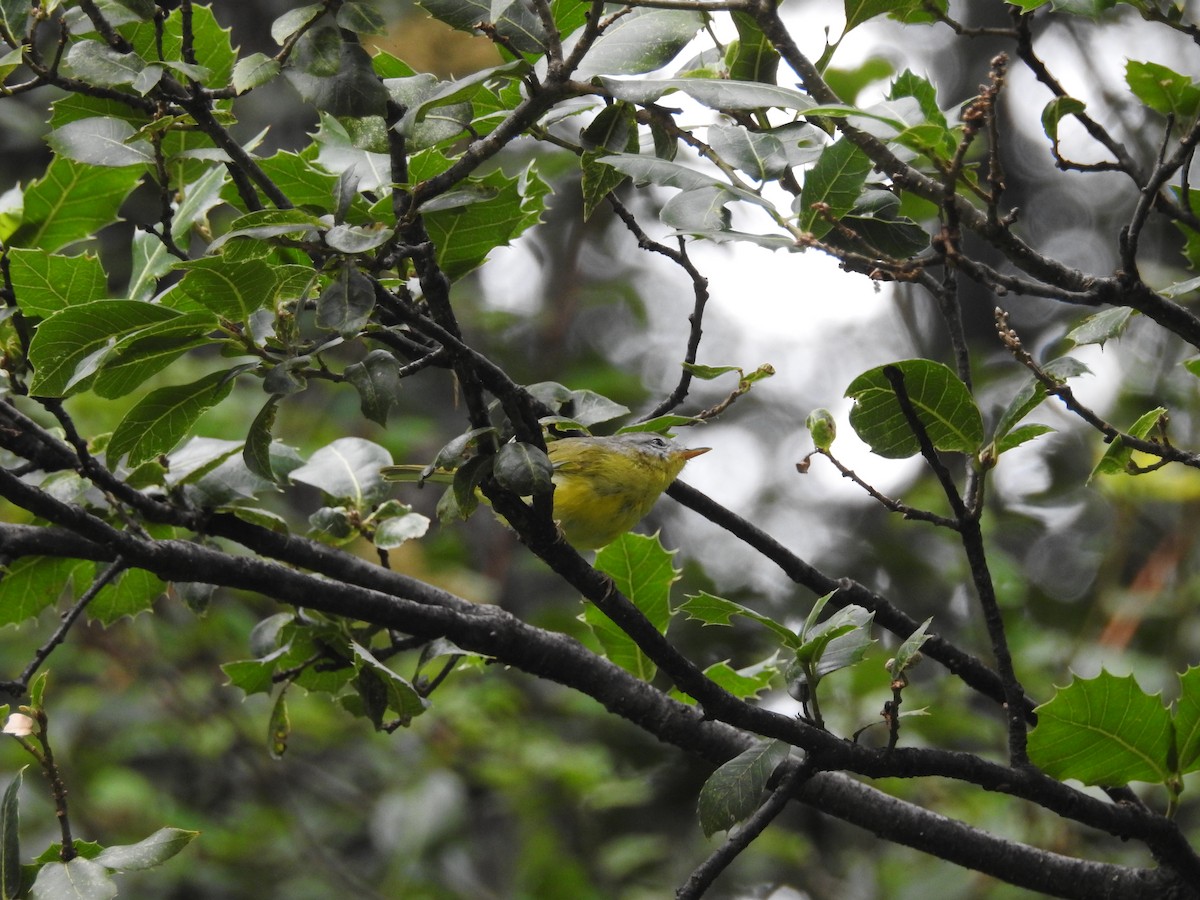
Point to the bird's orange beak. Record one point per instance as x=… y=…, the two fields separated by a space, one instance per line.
x=694 y=451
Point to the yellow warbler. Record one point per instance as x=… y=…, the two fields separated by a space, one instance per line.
x=603 y=486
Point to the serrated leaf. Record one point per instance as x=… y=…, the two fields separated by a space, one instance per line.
x=71 y=202
x=734 y=791
x=1101 y=327
x=133 y=592
x=1118 y=457
x=1187 y=721
x=713 y=610
x=1103 y=731
x=45 y=282
x=644 y=572
x=147 y=853
x=162 y=418
x=1164 y=90
x=942 y=403
x=30 y=584
x=464 y=236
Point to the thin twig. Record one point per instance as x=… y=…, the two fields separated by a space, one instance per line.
x=795 y=773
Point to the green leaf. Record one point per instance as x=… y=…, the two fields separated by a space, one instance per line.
x=232 y=290
x=835 y=183
x=713 y=93
x=391 y=532
x=1118 y=458
x=1056 y=110
x=45 y=282
x=10 y=841
x=759 y=155
x=147 y=853
x=839 y=642
x=642 y=41
x=713 y=610
x=162 y=418
x=1187 y=721
x=101 y=141
x=347 y=469
x=99 y=63
x=210 y=43
x=133 y=592
x=875 y=222
x=1033 y=392
x=1101 y=327
x=346 y=303
x=30 y=584
x=908 y=653
x=1103 y=731
x=79 y=879
x=849 y=83
x=253 y=676
x=377 y=379
x=523 y=469
x=335 y=75
x=1020 y=435
x=398 y=694
x=361 y=18
x=293 y=20
x=644 y=572
x=1164 y=90
x=823 y=428
x=254 y=71
x=72 y=201
x=751 y=57
x=132 y=359
x=464 y=236
x=734 y=791
x=745 y=684
x=942 y=403
x=68 y=347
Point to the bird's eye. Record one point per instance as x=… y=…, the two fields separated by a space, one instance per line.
x=659 y=443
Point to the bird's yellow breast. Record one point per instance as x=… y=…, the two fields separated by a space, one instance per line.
x=599 y=494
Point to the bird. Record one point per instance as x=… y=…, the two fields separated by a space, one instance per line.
x=603 y=486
